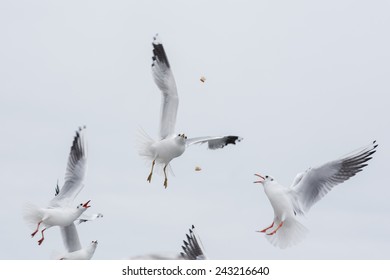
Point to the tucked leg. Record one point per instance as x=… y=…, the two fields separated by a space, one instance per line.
x=279 y=226
x=264 y=230
x=151 y=172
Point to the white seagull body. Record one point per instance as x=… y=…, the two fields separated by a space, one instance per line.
x=170 y=144
x=60 y=212
x=307 y=188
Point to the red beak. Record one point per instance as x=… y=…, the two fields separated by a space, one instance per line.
x=86 y=204
x=259 y=181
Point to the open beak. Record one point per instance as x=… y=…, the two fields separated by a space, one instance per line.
x=261 y=177
x=86 y=204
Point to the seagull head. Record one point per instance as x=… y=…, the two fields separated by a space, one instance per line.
x=92 y=247
x=264 y=179
x=181 y=137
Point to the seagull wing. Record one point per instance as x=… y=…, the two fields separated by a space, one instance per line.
x=75 y=171
x=70 y=238
x=315 y=183
x=192 y=248
x=214 y=142
x=87 y=218
x=165 y=81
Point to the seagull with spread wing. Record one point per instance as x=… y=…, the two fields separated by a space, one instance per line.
x=73 y=245
x=192 y=248
x=171 y=145
x=60 y=212
x=307 y=188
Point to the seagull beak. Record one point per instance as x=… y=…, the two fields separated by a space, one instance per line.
x=86 y=204
x=259 y=181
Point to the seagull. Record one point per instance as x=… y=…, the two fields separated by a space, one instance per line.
x=171 y=145
x=72 y=244
x=307 y=188
x=59 y=211
x=192 y=250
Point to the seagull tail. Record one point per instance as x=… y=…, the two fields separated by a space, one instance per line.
x=291 y=233
x=32 y=214
x=144 y=145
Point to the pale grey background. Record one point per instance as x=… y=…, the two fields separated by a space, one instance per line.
x=303 y=82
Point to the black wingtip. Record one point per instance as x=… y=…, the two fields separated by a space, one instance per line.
x=159 y=52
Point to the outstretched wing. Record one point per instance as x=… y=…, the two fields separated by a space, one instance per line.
x=214 y=142
x=87 y=218
x=192 y=249
x=75 y=171
x=315 y=183
x=165 y=81
x=70 y=237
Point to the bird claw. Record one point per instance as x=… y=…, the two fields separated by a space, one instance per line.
x=149 y=179
x=166 y=183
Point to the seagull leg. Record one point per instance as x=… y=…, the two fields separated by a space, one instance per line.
x=43 y=237
x=279 y=226
x=264 y=230
x=166 y=179
x=33 y=234
x=151 y=172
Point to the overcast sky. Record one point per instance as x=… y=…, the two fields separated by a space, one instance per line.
x=303 y=82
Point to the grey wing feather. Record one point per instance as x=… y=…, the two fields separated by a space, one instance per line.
x=309 y=187
x=70 y=238
x=75 y=171
x=192 y=248
x=165 y=81
x=214 y=142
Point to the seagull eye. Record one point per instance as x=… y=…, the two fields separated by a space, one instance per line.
x=266 y=176
x=178 y=135
x=185 y=137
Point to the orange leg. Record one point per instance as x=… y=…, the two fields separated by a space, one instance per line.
x=43 y=237
x=264 y=230
x=32 y=234
x=279 y=226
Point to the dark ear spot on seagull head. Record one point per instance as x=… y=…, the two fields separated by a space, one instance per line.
x=269 y=179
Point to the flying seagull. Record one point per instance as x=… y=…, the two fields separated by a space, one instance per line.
x=307 y=188
x=192 y=250
x=73 y=246
x=59 y=211
x=171 y=145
